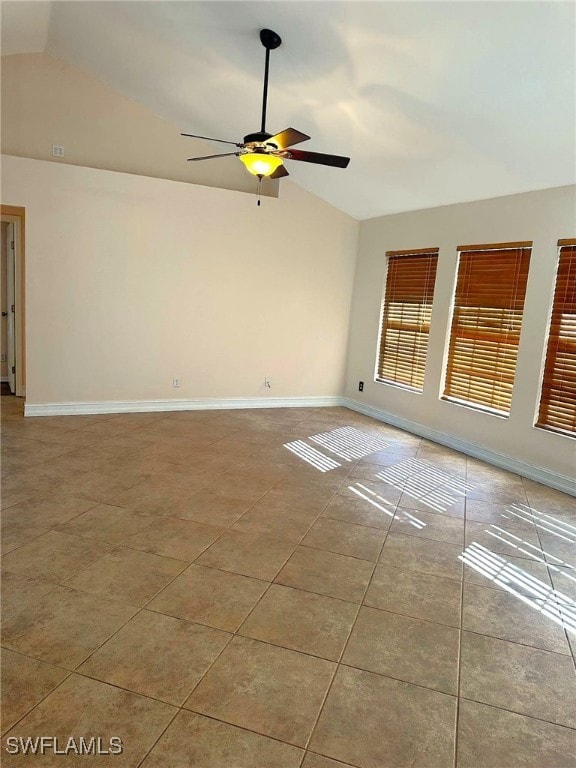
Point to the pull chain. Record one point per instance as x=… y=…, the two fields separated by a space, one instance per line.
x=259 y=187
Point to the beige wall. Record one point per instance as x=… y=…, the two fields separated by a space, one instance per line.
x=543 y=217
x=3 y=298
x=45 y=101
x=132 y=281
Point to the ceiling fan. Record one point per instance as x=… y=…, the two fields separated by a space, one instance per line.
x=262 y=153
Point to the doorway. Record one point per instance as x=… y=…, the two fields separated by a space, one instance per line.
x=12 y=361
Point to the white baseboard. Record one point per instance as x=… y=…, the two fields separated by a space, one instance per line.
x=4 y=379
x=540 y=475
x=199 y=404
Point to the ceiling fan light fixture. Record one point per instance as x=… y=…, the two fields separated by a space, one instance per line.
x=261 y=163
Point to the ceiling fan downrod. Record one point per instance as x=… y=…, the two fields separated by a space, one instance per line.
x=270 y=40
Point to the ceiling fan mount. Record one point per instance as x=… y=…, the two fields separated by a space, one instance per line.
x=264 y=153
x=270 y=40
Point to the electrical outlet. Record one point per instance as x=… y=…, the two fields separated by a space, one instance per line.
x=360 y=386
x=57 y=150
x=175 y=382
x=267 y=382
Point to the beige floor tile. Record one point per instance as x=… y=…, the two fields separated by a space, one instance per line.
x=77 y=463
x=83 y=707
x=447 y=499
x=428 y=525
x=240 y=487
x=550 y=501
x=16 y=534
x=372 y=721
x=559 y=547
x=381 y=492
x=171 y=537
x=105 y=522
x=405 y=648
x=128 y=576
x=152 y=497
x=29 y=454
x=211 y=508
x=498 y=492
x=415 y=594
x=52 y=509
x=302 y=621
x=360 y=511
x=248 y=554
x=500 y=614
x=98 y=486
x=513 y=515
x=178 y=476
x=193 y=740
x=505 y=540
x=345 y=539
x=290 y=524
x=25 y=485
x=54 y=556
x=25 y=682
x=486 y=568
x=525 y=680
x=564 y=582
x=327 y=573
x=307 y=481
x=305 y=497
x=157 y=656
x=20 y=591
x=317 y=761
x=435 y=558
x=221 y=600
x=110 y=427
x=120 y=445
x=64 y=626
x=489 y=737
x=270 y=690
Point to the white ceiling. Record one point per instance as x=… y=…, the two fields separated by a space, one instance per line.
x=435 y=102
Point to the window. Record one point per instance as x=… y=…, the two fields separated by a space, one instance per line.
x=558 y=398
x=406 y=314
x=486 y=323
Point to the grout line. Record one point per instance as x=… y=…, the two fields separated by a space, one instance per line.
x=460 y=631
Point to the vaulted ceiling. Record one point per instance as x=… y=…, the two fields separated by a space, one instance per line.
x=435 y=102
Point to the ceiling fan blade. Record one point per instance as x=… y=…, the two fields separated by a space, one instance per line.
x=336 y=161
x=209 y=157
x=279 y=173
x=287 y=138
x=207 y=138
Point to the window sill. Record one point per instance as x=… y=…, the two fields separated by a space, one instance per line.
x=478 y=408
x=556 y=431
x=397 y=385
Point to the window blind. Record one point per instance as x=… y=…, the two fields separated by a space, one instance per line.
x=558 y=398
x=486 y=324
x=406 y=312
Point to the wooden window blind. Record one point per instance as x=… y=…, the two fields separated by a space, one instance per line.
x=406 y=312
x=558 y=398
x=486 y=324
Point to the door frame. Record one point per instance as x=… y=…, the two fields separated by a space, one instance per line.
x=16 y=215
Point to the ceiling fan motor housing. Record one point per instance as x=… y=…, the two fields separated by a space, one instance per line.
x=259 y=141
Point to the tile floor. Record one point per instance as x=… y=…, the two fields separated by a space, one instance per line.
x=303 y=588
